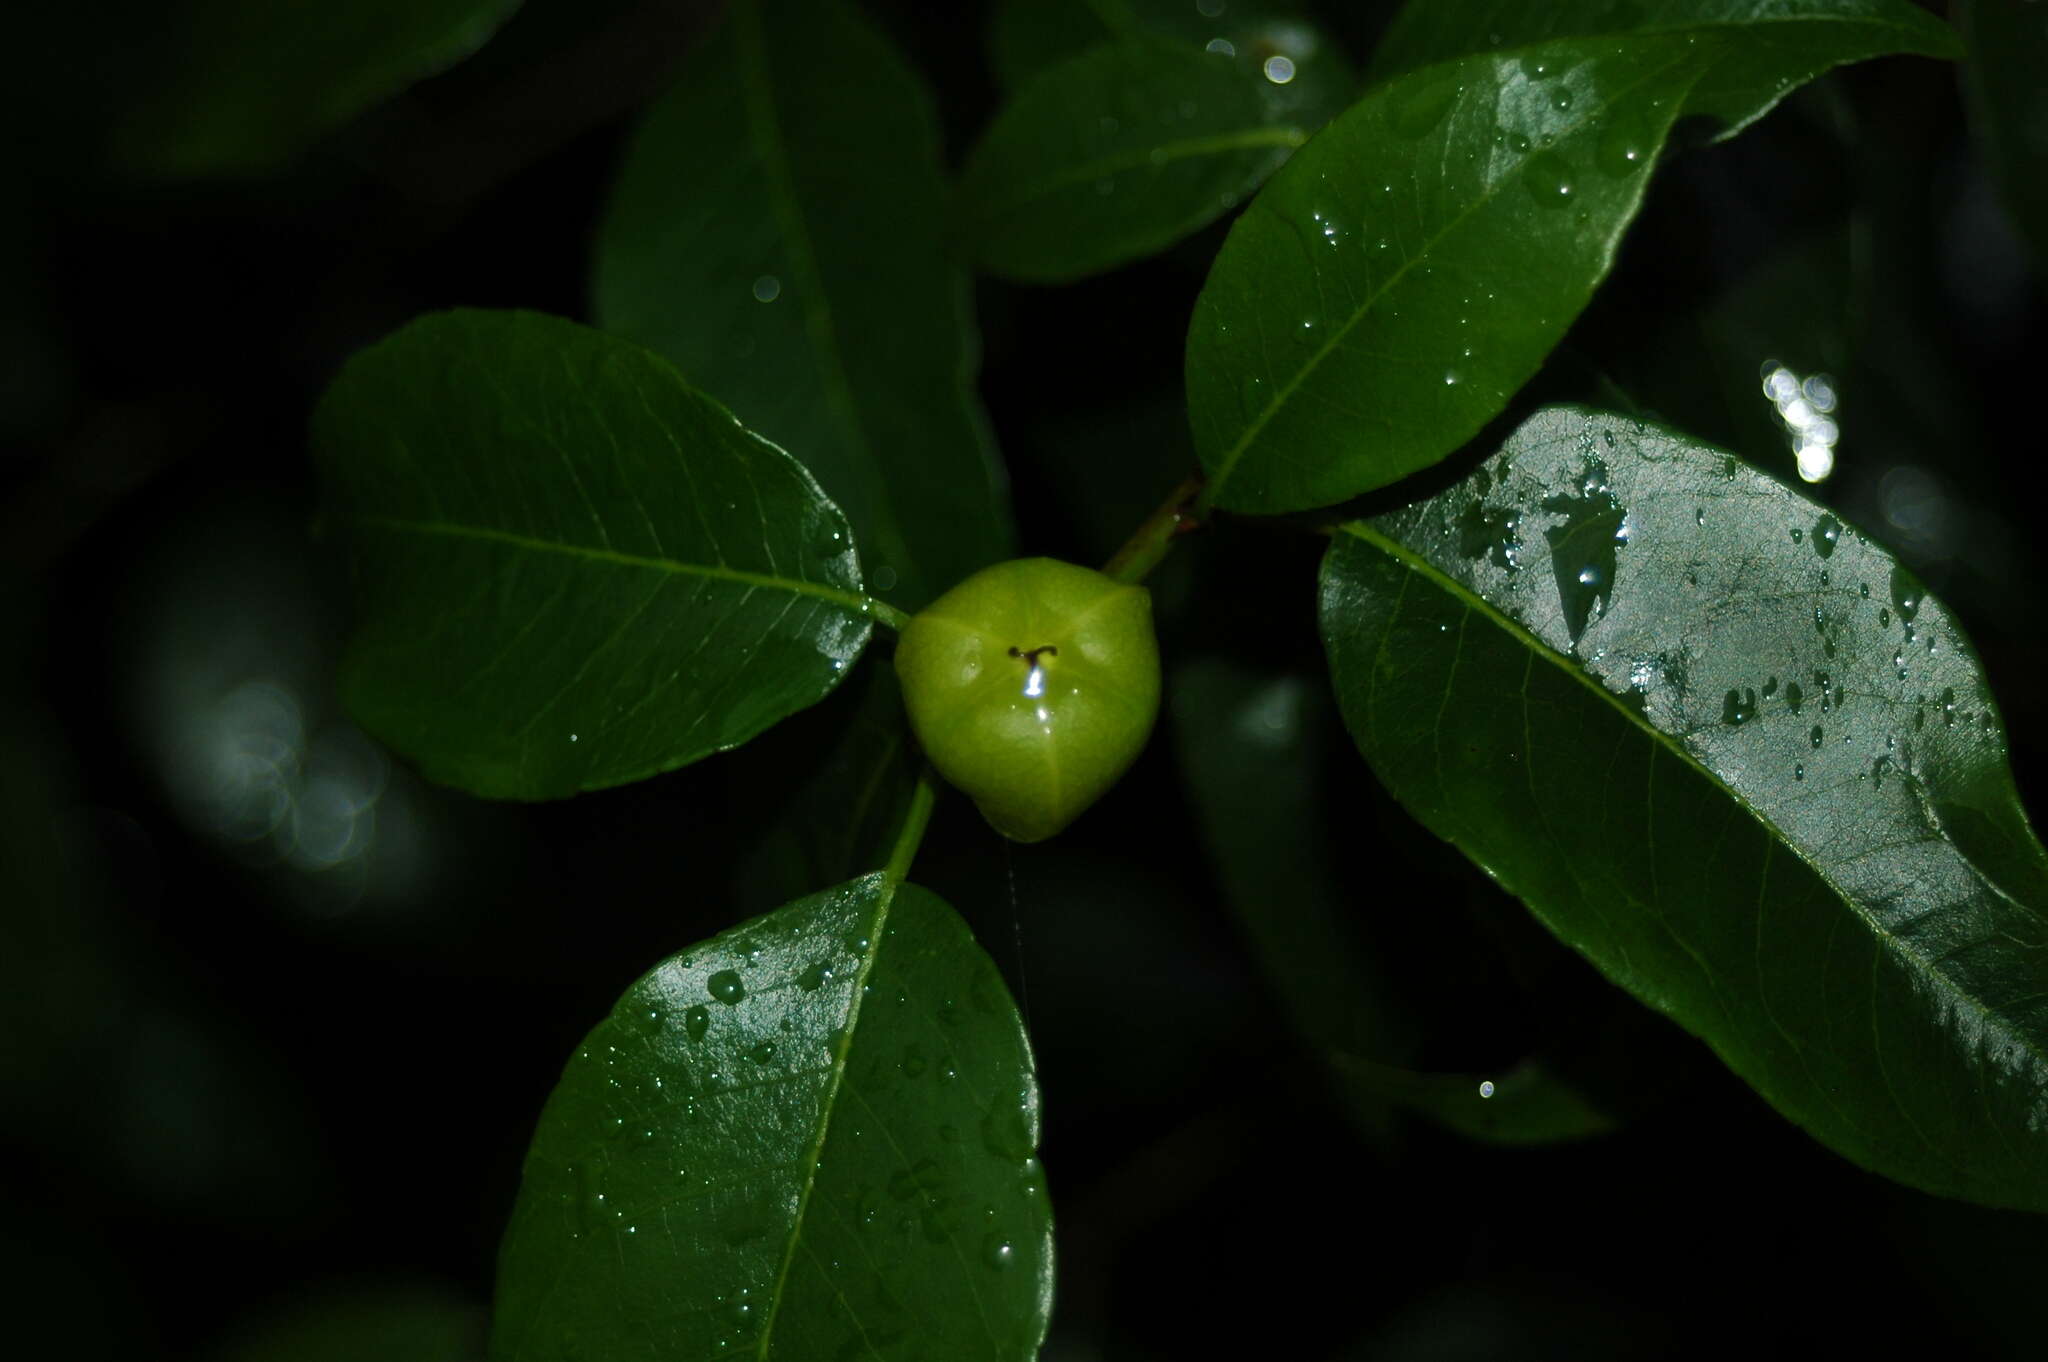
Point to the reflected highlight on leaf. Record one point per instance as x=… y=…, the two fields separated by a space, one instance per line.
x=1759 y=781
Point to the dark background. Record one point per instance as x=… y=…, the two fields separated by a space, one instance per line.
x=243 y=1070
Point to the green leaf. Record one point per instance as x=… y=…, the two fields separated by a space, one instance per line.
x=776 y=231
x=1783 y=43
x=1733 y=753
x=1529 y=1104
x=1408 y=270
x=1310 y=85
x=253 y=81
x=572 y=570
x=810 y=1137
x=1116 y=155
x=2008 y=51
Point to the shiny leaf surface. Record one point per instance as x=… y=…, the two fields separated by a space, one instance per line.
x=809 y=1137
x=254 y=81
x=1734 y=754
x=1407 y=272
x=1115 y=155
x=2008 y=46
x=776 y=231
x=572 y=570
x=1784 y=43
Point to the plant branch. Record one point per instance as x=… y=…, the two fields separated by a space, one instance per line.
x=1154 y=539
x=915 y=820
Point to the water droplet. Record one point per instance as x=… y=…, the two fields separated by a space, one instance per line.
x=1624 y=145
x=1797 y=534
x=1814 y=736
x=647 y=1021
x=815 y=977
x=1794 y=696
x=997 y=1252
x=1905 y=594
x=761 y=1053
x=1006 y=1130
x=1826 y=531
x=1251 y=397
x=726 y=986
x=767 y=289
x=1799 y=770
x=1738 y=707
x=1583 y=548
x=1549 y=180
x=696 y=1022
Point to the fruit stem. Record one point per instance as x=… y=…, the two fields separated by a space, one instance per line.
x=1154 y=539
x=915 y=819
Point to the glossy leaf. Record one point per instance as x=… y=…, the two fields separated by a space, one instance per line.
x=251 y=82
x=777 y=231
x=1116 y=155
x=572 y=569
x=1783 y=43
x=1310 y=83
x=1251 y=746
x=809 y=1137
x=1406 y=273
x=2008 y=46
x=1734 y=754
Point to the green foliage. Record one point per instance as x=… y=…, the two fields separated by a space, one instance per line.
x=776 y=232
x=572 y=569
x=1795 y=832
x=251 y=82
x=1115 y=155
x=1719 y=743
x=812 y=1136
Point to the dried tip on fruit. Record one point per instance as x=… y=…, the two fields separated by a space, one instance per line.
x=1032 y=686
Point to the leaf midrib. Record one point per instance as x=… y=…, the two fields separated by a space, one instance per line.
x=1401 y=553
x=822 y=330
x=854 y=602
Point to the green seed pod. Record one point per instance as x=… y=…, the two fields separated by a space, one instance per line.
x=1032 y=686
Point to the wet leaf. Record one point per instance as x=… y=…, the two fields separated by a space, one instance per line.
x=1734 y=754
x=1785 y=43
x=2008 y=46
x=572 y=570
x=1114 y=155
x=1406 y=272
x=776 y=231
x=809 y=1137
x=251 y=82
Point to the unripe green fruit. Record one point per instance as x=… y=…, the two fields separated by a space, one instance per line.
x=1032 y=686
